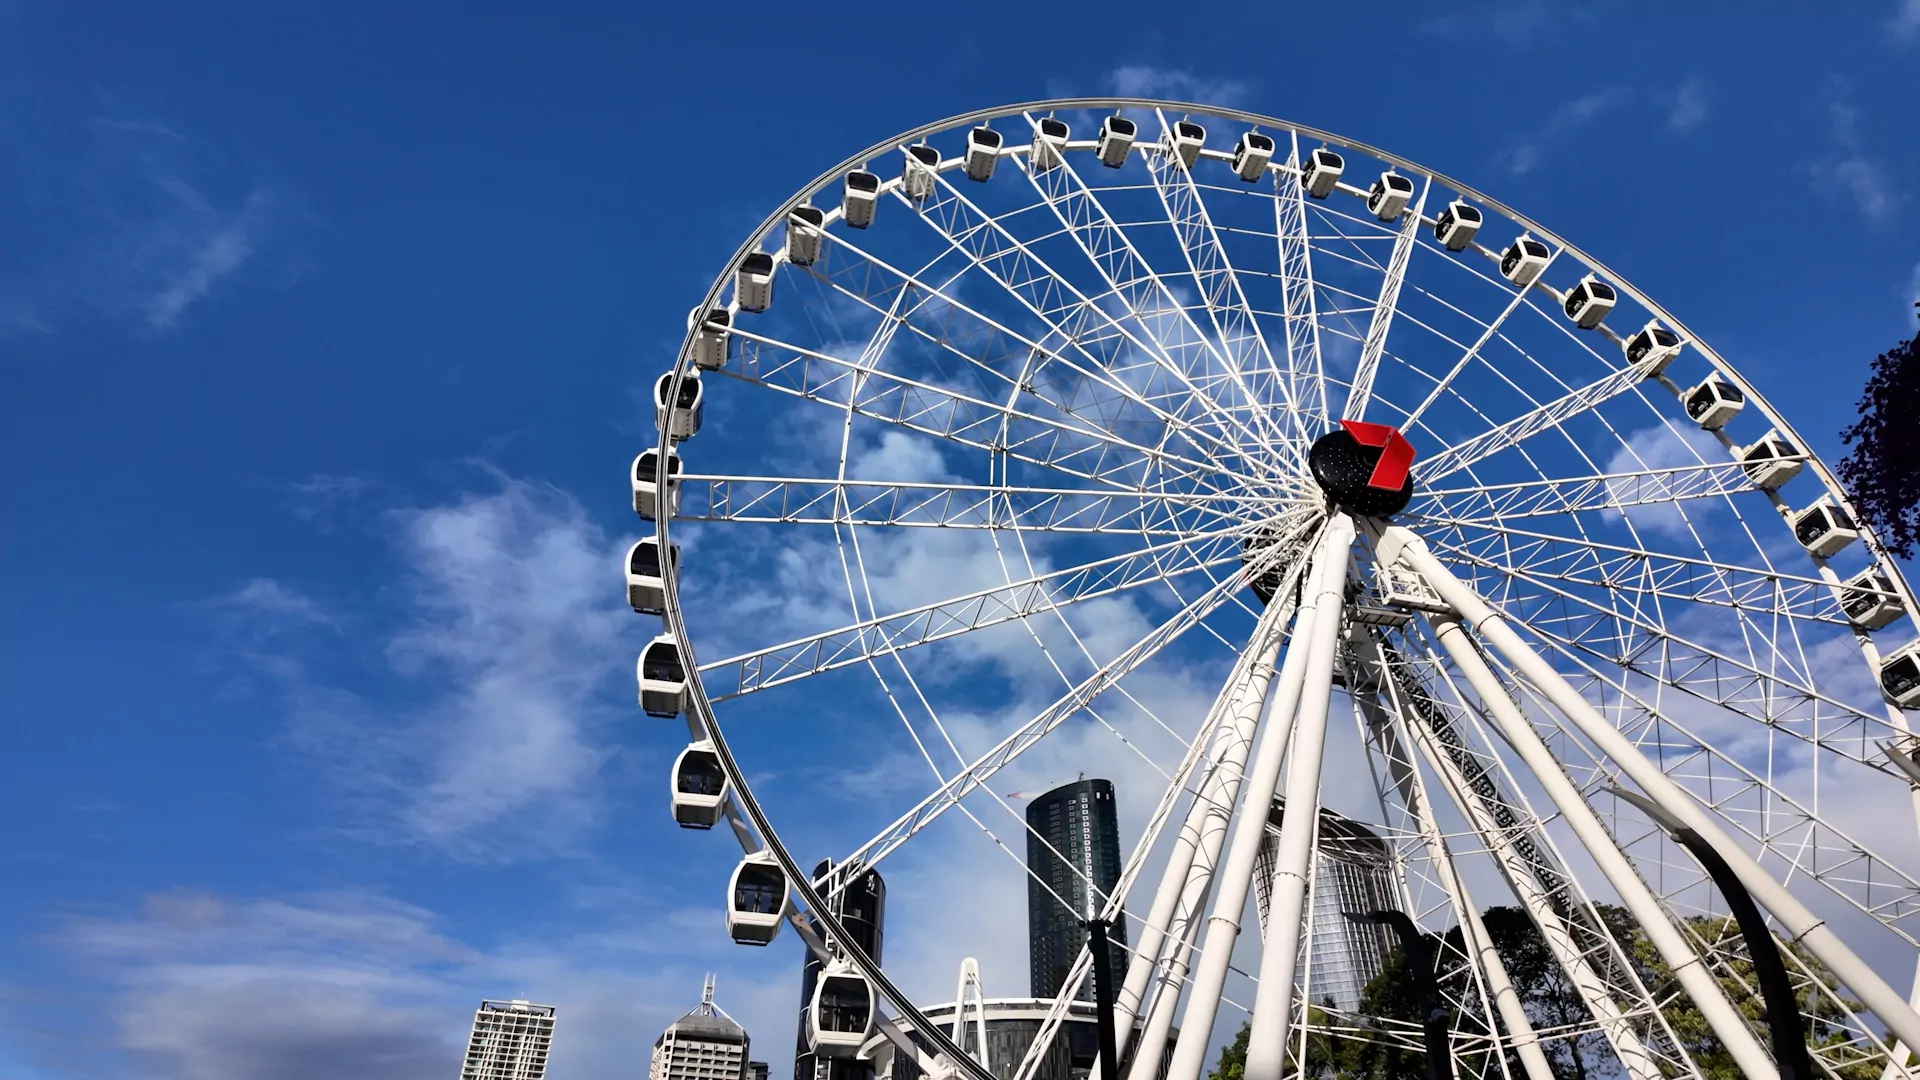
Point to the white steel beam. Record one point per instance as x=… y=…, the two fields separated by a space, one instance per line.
x=1197 y=845
x=1556 y=929
x=1613 y=863
x=1384 y=309
x=1026 y=736
x=1376 y=684
x=1800 y=923
x=1236 y=873
x=1189 y=873
x=1273 y=1002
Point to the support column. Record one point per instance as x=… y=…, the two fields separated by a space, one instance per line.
x=1159 y=1025
x=1538 y=902
x=1230 y=891
x=1196 y=848
x=1699 y=983
x=1473 y=931
x=1280 y=956
x=1800 y=923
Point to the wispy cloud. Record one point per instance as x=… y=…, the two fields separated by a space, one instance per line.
x=1144 y=81
x=1530 y=149
x=134 y=220
x=1689 y=107
x=1515 y=24
x=1905 y=23
x=510 y=629
x=1850 y=170
x=205 y=986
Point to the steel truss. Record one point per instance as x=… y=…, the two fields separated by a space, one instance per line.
x=1042 y=430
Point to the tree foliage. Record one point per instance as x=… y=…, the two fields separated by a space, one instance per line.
x=1233 y=1057
x=1334 y=1051
x=1882 y=470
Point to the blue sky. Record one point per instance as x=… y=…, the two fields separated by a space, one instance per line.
x=324 y=341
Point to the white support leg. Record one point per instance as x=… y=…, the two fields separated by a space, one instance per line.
x=1280 y=956
x=1230 y=884
x=1246 y=701
x=1654 y=920
x=1802 y=925
x=1473 y=931
x=1197 y=846
x=1166 y=1001
x=1561 y=939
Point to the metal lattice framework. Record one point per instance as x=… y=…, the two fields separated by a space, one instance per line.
x=1012 y=410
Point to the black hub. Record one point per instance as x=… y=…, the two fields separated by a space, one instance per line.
x=1344 y=467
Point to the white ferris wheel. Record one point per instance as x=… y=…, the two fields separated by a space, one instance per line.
x=1045 y=402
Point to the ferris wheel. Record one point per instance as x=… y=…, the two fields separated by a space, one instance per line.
x=1004 y=433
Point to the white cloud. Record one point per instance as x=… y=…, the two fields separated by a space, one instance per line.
x=1689 y=107
x=1865 y=182
x=1663 y=446
x=1905 y=23
x=1528 y=151
x=512 y=627
x=143 y=225
x=211 y=987
x=1144 y=81
x=1849 y=169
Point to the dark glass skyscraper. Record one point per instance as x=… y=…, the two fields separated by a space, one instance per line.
x=862 y=909
x=1078 y=821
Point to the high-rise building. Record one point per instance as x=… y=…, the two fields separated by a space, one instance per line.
x=757 y=1070
x=510 y=1041
x=1073 y=838
x=1354 y=873
x=862 y=908
x=705 y=1044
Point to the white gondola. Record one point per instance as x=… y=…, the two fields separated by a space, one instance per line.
x=1589 y=301
x=1388 y=197
x=1523 y=260
x=1321 y=172
x=842 y=1015
x=756 y=899
x=1900 y=676
x=662 y=678
x=805 y=235
x=1713 y=403
x=1869 y=601
x=1050 y=144
x=646 y=584
x=680 y=419
x=1187 y=139
x=644 y=468
x=1252 y=155
x=917 y=172
x=710 y=337
x=1457 y=224
x=1823 y=528
x=860 y=198
x=699 y=787
x=1116 y=138
x=982 y=152
x=1770 y=462
x=1652 y=348
x=753 y=282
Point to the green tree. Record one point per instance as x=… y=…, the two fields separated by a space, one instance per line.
x=1882 y=470
x=1551 y=1000
x=1233 y=1057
